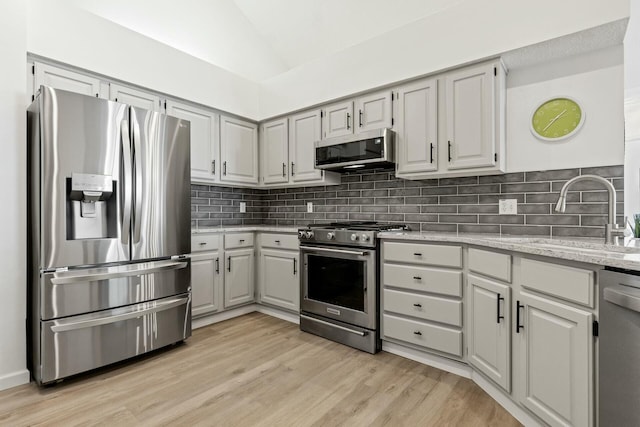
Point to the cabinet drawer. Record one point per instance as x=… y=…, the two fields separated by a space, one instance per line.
x=420 y=253
x=569 y=283
x=425 y=279
x=490 y=264
x=238 y=240
x=205 y=242
x=279 y=241
x=423 y=306
x=441 y=338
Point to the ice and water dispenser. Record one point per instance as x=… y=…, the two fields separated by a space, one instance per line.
x=91 y=207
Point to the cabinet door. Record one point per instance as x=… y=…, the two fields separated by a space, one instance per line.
x=205 y=166
x=59 y=78
x=274 y=138
x=238 y=151
x=134 y=97
x=373 y=111
x=279 y=279
x=556 y=361
x=304 y=131
x=417 y=127
x=338 y=119
x=470 y=106
x=238 y=277
x=488 y=330
x=205 y=283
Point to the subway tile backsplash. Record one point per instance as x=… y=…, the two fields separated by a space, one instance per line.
x=466 y=204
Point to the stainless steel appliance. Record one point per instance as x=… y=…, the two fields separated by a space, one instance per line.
x=619 y=340
x=340 y=290
x=109 y=232
x=372 y=149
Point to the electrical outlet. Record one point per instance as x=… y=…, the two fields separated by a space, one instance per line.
x=243 y=207
x=508 y=207
x=309 y=207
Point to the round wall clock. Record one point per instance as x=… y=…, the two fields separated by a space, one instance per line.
x=557 y=119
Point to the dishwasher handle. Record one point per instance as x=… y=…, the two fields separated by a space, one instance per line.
x=624 y=296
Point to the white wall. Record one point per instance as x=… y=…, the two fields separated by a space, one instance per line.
x=58 y=30
x=470 y=31
x=595 y=80
x=13 y=33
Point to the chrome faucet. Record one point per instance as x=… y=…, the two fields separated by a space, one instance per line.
x=612 y=231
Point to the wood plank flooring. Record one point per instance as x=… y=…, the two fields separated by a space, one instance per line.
x=257 y=370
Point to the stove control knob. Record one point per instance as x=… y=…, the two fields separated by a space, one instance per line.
x=354 y=237
x=331 y=236
x=365 y=238
x=301 y=234
x=309 y=234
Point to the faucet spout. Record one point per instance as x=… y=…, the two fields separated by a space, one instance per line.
x=611 y=230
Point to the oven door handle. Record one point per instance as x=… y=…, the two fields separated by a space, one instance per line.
x=333 y=325
x=335 y=251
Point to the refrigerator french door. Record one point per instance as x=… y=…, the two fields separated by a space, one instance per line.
x=109 y=232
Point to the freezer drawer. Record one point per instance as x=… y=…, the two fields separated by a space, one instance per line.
x=83 y=291
x=81 y=343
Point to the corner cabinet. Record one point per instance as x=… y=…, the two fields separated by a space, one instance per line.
x=205 y=141
x=238 y=151
x=468 y=105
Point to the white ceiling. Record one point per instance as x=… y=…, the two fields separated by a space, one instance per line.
x=260 y=39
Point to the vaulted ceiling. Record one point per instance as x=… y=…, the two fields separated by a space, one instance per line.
x=260 y=39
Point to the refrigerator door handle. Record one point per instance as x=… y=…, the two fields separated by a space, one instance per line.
x=116 y=272
x=127 y=176
x=105 y=319
x=138 y=183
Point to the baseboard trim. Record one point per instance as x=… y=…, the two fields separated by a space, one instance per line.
x=453 y=366
x=225 y=315
x=280 y=314
x=464 y=370
x=14 y=379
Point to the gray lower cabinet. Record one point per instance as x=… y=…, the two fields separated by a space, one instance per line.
x=239 y=277
x=489 y=329
x=280 y=278
x=206 y=278
x=422 y=296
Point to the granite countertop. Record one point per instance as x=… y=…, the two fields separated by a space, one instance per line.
x=591 y=251
x=237 y=228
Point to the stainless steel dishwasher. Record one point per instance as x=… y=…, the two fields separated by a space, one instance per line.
x=619 y=377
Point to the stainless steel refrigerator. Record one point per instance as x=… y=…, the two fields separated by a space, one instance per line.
x=109 y=232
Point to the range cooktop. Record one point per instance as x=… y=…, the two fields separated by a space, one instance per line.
x=353 y=233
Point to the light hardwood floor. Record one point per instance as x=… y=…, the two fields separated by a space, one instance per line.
x=257 y=370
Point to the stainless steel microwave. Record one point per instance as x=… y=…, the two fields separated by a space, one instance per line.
x=366 y=150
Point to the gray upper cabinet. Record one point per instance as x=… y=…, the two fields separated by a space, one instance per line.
x=373 y=111
x=417 y=128
x=471 y=114
x=338 y=119
x=134 y=97
x=304 y=131
x=274 y=151
x=205 y=140
x=60 y=78
x=238 y=151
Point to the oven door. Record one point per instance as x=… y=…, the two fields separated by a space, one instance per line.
x=340 y=284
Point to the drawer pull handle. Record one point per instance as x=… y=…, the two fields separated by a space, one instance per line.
x=203 y=243
x=277 y=241
x=417 y=254
x=518 y=325
x=417 y=305
x=417 y=277
x=241 y=240
x=417 y=333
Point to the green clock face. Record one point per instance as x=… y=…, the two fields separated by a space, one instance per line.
x=557 y=119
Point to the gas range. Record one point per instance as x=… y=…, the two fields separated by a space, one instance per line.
x=356 y=233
